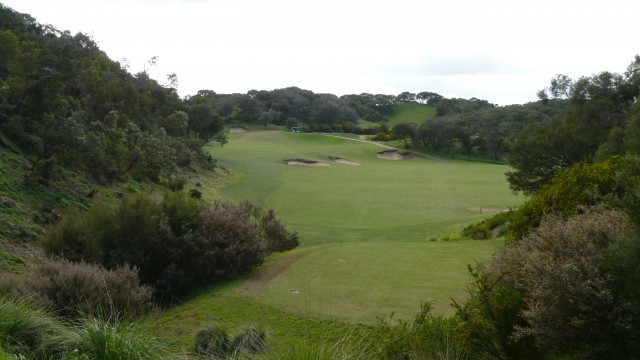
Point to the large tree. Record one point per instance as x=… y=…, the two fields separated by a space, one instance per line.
x=599 y=106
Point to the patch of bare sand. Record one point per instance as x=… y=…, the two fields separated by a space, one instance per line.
x=343 y=161
x=237 y=129
x=396 y=155
x=305 y=162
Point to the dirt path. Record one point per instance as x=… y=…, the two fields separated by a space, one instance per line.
x=270 y=271
x=428 y=156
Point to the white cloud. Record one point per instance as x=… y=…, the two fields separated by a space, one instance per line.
x=499 y=50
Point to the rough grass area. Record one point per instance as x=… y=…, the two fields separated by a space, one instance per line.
x=26 y=205
x=10 y=262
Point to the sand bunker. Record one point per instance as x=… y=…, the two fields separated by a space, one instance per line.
x=396 y=155
x=343 y=161
x=305 y=162
x=237 y=129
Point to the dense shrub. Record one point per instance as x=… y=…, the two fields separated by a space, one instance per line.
x=490 y=316
x=72 y=289
x=177 y=243
x=488 y=228
x=626 y=194
x=558 y=292
x=581 y=184
x=381 y=136
x=570 y=303
x=270 y=228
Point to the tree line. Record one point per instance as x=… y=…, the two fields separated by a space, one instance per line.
x=474 y=128
x=65 y=103
x=565 y=284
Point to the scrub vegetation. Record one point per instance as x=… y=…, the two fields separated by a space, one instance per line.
x=127 y=212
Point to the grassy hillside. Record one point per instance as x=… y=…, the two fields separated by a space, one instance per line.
x=411 y=113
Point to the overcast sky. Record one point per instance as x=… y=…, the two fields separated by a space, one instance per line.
x=500 y=51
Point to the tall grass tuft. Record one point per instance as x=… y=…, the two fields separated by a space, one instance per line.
x=25 y=329
x=212 y=341
x=250 y=341
x=350 y=347
x=104 y=339
x=428 y=336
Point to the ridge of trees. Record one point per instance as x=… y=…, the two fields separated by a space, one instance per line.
x=602 y=119
x=476 y=128
x=565 y=284
x=64 y=102
x=66 y=109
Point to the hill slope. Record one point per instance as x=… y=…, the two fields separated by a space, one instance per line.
x=411 y=113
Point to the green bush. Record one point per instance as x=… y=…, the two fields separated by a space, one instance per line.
x=381 y=136
x=488 y=228
x=489 y=318
x=626 y=194
x=270 y=229
x=580 y=185
x=571 y=305
x=177 y=243
x=567 y=288
x=73 y=289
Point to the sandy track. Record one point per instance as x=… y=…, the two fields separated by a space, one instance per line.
x=271 y=271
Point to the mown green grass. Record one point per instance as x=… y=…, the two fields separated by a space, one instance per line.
x=380 y=200
x=411 y=113
x=375 y=237
x=359 y=282
x=321 y=294
x=232 y=306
